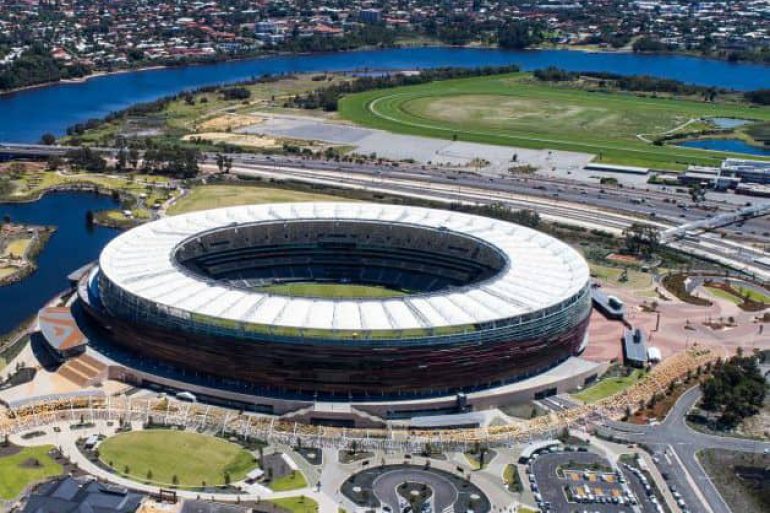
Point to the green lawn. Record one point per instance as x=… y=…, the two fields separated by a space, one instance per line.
x=28 y=466
x=192 y=457
x=635 y=279
x=515 y=110
x=608 y=386
x=299 y=504
x=204 y=197
x=293 y=481
x=741 y=292
x=753 y=295
x=336 y=290
x=723 y=294
x=511 y=478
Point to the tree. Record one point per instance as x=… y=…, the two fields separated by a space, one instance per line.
x=175 y=480
x=54 y=162
x=736 y=390
x=221 y=162
x=518 y=35
x=48 y=139
x=641 y=239
x=133 y=157
x=697 y=193
x=236 y=93
x=87 y=159
x=121 y=160
x=760 y=96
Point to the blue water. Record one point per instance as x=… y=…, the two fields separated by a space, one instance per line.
x=26 y=115
x=72 y=246
x=728 y=123
x=732 y=145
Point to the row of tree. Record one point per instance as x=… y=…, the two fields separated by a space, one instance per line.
x=635 y=83
x=760 y=96
x=165 y=159
x=327 y=97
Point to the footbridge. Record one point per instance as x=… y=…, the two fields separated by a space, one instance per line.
x=718 y=221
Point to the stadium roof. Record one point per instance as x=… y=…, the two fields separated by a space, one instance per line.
x=542 y=272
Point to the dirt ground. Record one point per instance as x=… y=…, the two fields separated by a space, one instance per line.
x=748 y=492
x=757 y=426
x=227 y=122
x=253 y=141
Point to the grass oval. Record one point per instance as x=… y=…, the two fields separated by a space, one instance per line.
x=159 y=455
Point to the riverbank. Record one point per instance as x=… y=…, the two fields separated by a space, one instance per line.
x=194 y=63
x=588 y=49
x=135 y=196
x=19 y=247
x=80 y=80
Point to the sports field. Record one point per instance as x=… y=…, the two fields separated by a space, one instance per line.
x=517 y=110
x=330 y=290
x=204 y=197
x=158 y=455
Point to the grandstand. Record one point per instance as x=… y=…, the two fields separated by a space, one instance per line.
x=482 y=303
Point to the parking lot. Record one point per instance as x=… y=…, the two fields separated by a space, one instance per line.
x=577 y=482
x=644 y=488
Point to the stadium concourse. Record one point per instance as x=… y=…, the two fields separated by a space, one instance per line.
x=471 y=313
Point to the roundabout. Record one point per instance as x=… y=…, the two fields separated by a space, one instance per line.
x=399 y=487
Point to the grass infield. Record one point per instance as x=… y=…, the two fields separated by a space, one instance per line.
x=159 y=455
x=516 y=110
x=330 y=290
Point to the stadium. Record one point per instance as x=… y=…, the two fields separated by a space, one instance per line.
x=342 y=301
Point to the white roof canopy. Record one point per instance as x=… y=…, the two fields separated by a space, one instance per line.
x=542 y=272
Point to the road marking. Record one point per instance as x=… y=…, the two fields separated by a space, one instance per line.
x=691 y=482
x=708 y=478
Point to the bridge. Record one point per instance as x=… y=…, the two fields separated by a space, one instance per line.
x=10 y=151
x=718 y=221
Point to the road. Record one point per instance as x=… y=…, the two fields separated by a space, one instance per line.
x=676 y=446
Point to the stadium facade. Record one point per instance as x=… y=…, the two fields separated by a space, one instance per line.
x=473 y=303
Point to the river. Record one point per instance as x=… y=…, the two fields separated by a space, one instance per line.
x=26 y=115
x=71 y=246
